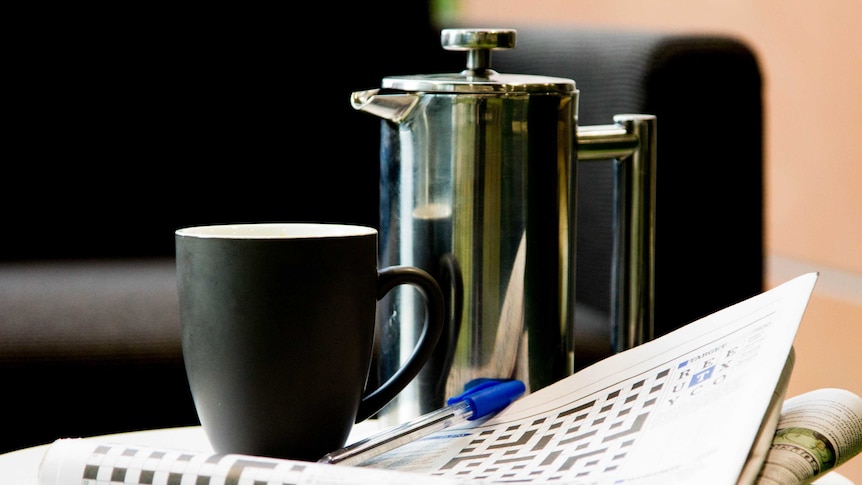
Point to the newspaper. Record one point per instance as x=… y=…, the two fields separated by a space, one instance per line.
x=763 y=440
x=687 y=407
x=817 y=431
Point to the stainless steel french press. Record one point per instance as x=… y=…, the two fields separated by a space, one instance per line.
x=478 y=171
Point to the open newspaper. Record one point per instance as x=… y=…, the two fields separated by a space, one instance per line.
x=702 y=404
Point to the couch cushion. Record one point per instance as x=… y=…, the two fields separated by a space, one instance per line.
x=89 y=309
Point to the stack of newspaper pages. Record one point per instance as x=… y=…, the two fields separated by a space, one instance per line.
x=703 y=404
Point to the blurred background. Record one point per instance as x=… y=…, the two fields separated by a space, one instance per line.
x=811 y=60
x=131 y=121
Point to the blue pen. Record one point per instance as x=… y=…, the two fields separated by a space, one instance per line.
x=486 y=397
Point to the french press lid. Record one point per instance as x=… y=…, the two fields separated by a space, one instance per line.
x=479 y=78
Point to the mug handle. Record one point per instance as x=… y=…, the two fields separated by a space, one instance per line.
x=387 y=279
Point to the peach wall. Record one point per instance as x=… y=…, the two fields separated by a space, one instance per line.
x=811 y=55
x=811 y=58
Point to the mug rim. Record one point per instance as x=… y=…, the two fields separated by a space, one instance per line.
x=276 y=230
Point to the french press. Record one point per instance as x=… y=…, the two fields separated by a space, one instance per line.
x=477 y=179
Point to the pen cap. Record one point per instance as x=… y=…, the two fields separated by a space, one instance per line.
x=486 y=399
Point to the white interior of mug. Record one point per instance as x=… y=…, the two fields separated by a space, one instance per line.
x=276 y=231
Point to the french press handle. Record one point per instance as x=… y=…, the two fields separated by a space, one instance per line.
x=631 y=143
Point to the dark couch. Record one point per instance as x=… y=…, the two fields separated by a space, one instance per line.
x=705 y=91
x=128 y=130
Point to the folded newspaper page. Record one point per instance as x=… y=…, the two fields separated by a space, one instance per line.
x=86 y=462
x=763 y=440
x=683 y=408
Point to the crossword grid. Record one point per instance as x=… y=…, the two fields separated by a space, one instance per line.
x=573 y=443
x=114 y=465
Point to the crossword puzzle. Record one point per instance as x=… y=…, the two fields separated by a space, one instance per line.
x=575 y=442
x=590 y=438
x=113 y=465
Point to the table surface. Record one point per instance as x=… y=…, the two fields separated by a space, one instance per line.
x=21 y=467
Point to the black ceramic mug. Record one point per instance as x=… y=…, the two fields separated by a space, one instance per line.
x=278 y=323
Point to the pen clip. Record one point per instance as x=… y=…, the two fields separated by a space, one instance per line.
x=489 y=396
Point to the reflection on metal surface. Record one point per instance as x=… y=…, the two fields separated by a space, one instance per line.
x=477 y=187
x=631 y=141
